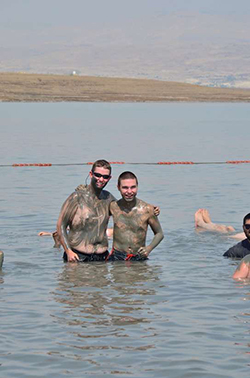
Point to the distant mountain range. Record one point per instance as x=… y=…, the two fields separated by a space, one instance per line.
x=188 y=47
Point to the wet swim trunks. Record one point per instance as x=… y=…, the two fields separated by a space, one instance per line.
x=87 y=257
x=124 y=256
x=239 y=250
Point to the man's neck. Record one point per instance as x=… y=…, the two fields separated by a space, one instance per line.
x=94 y=191
x=128 y=206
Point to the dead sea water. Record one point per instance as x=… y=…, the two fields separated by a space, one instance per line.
x=179 y=314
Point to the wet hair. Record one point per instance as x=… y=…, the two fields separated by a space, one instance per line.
x=103 y=164
x=246 y=217
x=126 y=175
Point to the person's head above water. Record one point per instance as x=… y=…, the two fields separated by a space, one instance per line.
x=126 y=175
x=101 y=164
x=128 y=186
x=100 y=174
x=246 y=217
x=246 y=225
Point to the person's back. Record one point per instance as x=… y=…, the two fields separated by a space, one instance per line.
x=243 y=270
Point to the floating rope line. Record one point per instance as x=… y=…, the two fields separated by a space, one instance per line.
x=123 y=162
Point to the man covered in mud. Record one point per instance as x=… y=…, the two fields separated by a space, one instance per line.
x=131 y=217
x=84 y=217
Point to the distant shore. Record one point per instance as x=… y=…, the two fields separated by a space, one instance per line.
x=22 y=87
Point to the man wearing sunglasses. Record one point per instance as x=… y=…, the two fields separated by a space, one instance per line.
x=84 y=217
x=131 y=217
x=241 y=249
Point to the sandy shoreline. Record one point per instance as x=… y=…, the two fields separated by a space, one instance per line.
x=20 y=87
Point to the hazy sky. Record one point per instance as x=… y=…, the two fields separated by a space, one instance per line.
x=168 y=39
x=29 y=13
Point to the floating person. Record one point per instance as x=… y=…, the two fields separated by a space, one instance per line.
x=203 y=221
x=131 y=218
x=243 y=270
x=1 y=259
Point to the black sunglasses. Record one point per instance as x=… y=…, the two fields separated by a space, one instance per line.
x=247 y=226
x=96 y=174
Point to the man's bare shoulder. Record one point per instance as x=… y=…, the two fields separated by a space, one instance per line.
x=72 y=198
x=144 y=207
x=81 y=187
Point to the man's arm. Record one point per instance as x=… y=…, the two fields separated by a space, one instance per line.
x=242 y=271
x=158 y=236
x=67 y=212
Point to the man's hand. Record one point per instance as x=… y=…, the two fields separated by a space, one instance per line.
x=72 y=256
x=144 y=252
x=156 y=211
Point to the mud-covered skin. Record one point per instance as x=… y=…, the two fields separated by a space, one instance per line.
x=84 y=216
x=130 y=227
x=87 y=218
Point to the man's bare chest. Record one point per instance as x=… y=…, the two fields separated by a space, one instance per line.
x=97 y=213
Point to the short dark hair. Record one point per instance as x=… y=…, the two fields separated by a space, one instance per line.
x=126 y=175
x=103 y=164
x=246 y=217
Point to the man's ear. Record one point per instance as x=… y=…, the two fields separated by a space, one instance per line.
x=90 y=174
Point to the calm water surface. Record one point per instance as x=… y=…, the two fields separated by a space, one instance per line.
x=179 y=314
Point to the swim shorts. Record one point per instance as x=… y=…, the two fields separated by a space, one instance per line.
x=87 y=257
x=118 y=255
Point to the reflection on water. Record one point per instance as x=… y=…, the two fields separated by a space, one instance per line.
x=114 y=292
x=108 y=311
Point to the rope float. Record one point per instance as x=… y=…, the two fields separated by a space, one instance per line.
x=32 y=165
x=123 y=162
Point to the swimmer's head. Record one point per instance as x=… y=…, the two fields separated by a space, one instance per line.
x=128 y=186
x=101 y=164
x=246 y=225
x=246 y=217
x=125 y=176
x=100 y=174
